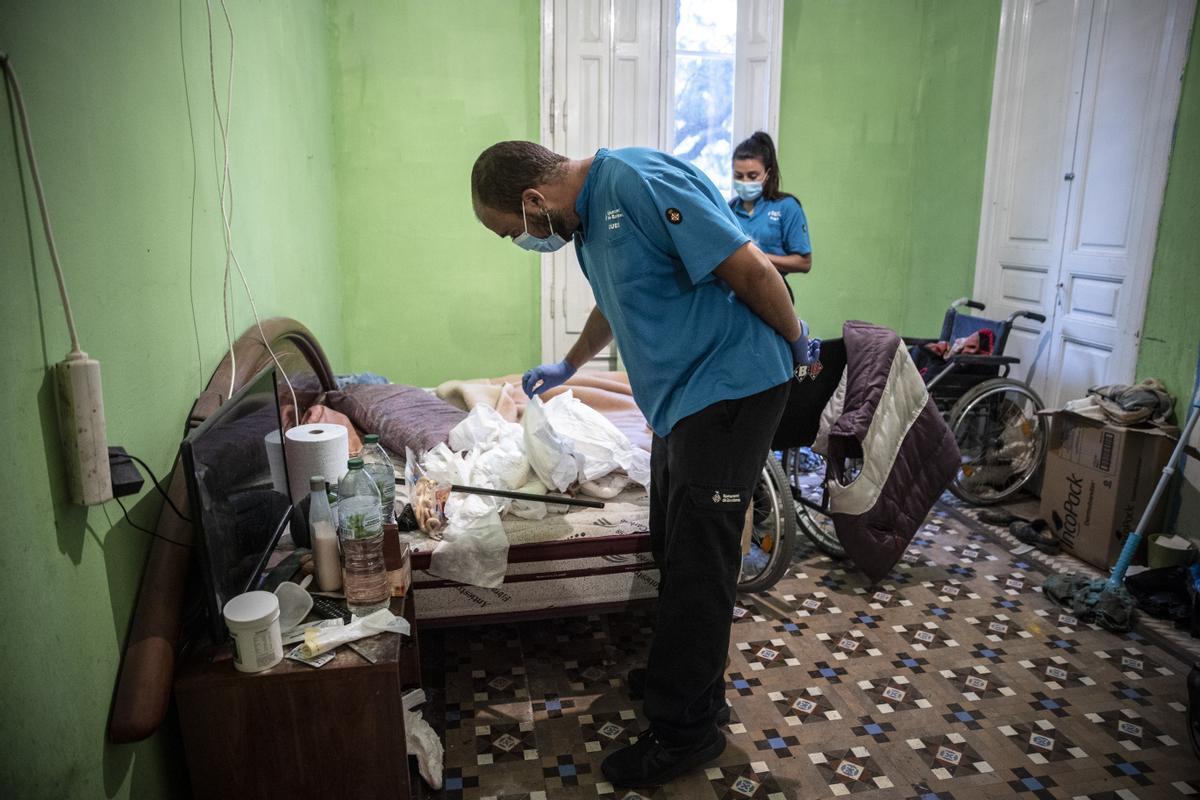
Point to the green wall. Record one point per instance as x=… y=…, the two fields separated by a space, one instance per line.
x=1171 y=334
x=883 y=136
x=421 y=89
x=108 y=88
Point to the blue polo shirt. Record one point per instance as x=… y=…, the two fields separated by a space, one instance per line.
x=652 y=229
x=778 y=227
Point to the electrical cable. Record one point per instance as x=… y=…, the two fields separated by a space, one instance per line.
x=227 y=213
x=155 y=534
x=158 y=486
x=41 y=199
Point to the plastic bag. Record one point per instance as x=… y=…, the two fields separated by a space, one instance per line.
x=550 y=456
x=483 y=428
x=474 y=547
x=597 y=444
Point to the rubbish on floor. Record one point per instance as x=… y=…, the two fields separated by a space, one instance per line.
x=1109 y=602
x=999 y=515
x=1037 y=533
x=421 y=741
x=1163 y=593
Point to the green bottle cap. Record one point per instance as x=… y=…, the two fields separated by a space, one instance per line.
x=354 y=463
x=316 y=483
x=371 y=438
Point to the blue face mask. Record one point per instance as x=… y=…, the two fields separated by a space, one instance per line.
x=532 y=243
x=748 y=190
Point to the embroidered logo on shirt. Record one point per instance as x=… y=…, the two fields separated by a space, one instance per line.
x=673 y=216
x=613 y=218
x=774 y=214
x=726 y=498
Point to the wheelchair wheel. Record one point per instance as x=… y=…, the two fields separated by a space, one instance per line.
x=773 y=534
x=1001 y=440
x=806 y=475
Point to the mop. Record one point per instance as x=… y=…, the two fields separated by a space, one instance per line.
x=1107 y=602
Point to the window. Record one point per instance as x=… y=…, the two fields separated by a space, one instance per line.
x=701 y=130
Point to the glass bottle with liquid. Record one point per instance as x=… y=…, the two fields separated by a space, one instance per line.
x=324 y=536
x=360 y=528
x=378 y=465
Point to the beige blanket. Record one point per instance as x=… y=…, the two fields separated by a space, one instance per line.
x=606 y=392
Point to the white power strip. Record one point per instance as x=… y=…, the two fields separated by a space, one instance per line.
x=81 y=424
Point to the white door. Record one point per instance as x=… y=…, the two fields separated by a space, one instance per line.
x=605 y=93
x=1130 y=96
x=1082 y=115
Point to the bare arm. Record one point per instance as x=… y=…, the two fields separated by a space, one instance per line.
x=759 y=285
x=596 y=334
x=792 y=262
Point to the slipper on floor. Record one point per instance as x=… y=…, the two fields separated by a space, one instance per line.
x=999 y=516
x=1037 y=533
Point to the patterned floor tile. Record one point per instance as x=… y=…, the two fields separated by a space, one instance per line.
x=836 y=686
x=850 y=771
x=977 y=683
x=1131 y=730
x=949 y=755
x=1057 y=673
x=1042 y=742
x=895 y=693
x=808 y=706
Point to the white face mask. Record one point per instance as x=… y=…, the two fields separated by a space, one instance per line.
x=748 y=190
x=528 y=241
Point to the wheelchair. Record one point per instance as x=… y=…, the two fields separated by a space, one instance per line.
x=994 y=419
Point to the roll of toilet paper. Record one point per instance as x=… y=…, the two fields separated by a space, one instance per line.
x=273 y=441
x=315 y=449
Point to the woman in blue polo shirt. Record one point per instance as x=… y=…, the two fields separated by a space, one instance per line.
x=773 y=219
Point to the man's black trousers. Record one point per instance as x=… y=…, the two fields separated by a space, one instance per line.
x=703 y=475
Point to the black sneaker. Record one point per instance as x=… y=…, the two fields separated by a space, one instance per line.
x=635 y=679
x=648 y=762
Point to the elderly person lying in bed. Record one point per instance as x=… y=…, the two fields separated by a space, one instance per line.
x=709 y=339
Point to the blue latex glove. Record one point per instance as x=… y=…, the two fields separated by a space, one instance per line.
x=805 y=353
x=800 y=347
x=546 y=377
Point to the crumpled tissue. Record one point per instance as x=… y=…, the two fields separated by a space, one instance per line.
x=422 y=742
x=320 y=640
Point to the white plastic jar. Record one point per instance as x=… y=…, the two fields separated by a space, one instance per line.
x=253 y=621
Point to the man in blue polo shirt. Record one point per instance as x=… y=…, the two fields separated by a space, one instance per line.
x=709 y=338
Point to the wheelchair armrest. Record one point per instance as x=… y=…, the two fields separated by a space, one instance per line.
x=966 y=359
x=913 y=341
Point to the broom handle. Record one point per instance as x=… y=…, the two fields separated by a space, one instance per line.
x=1134 y=539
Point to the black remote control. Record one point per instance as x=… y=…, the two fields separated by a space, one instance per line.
x=328 y=608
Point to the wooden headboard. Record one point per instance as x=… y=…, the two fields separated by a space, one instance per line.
x=147 y=670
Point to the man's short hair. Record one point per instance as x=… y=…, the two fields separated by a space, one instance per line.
x=506 y=169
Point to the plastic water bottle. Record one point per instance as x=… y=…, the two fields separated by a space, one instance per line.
x=379 y=466
x=324 y=537
x=361 y=530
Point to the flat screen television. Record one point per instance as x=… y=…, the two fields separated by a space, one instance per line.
x=237 y=514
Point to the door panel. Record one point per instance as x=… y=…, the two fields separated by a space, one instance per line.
x=1108 y=247
x=1083 y=112
x=606 y=94
x=1035 y=134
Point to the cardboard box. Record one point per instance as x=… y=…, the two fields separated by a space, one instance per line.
x=1097 y=481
